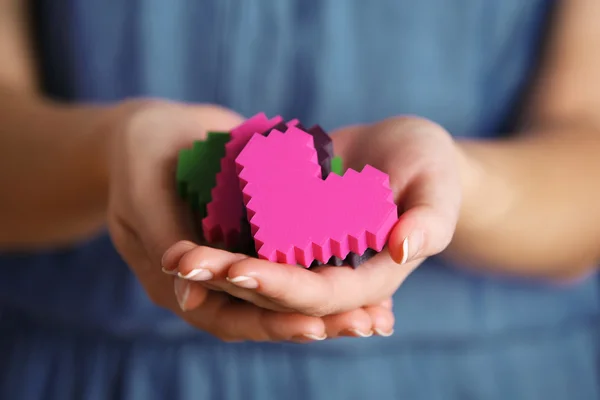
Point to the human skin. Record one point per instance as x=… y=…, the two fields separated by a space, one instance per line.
x=543 y=223
x=524 y=206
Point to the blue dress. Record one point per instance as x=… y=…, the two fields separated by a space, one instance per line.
x=75 y=324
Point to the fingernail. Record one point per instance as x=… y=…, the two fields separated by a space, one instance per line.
x=199 y=274
x=182 y=291
x=384 y=334
x=308 y=338
x=416 y=241
x=401 y=255
x=312 y=336
x=244 y=281
x=169 y=271
x=356 y=332
x=411 y=245
x=315 y=337
x=404 y=251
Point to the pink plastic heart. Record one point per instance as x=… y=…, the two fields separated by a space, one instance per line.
x=296 y=216
x=225 y=212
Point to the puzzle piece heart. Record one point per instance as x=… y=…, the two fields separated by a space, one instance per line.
x=296 y=216
x=224 y=212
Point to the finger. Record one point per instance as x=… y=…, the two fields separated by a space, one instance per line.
x=244 y=321
x=190 y=295
x=382 y=319
x=202 y=263
x=355 y=323
x=290 y=286
x=288 y=326
x=387 y=304
x=325 y=290
x=431 y=203
x=210 y=266
x=252 y=297
x=211 y=286
x=172 y=257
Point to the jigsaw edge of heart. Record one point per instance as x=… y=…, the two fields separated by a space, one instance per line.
x=221 y=216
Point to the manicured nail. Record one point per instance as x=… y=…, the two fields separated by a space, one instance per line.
x=411 y=245
x=182 y=246
x=308 y=338
x=244 y=281
x=182 y=291
x=384 y=334
x=169 y=271
x=404 y=251
x=199 y=274
x=400 y=256
x=356 y=332
x=314 y=337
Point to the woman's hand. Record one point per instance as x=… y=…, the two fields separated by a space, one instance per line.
x=423 y=163
x=146 y=218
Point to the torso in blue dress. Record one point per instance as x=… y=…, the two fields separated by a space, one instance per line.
x=76 y=324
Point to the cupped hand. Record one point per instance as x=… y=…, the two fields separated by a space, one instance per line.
x=423 y=163
x=198 y=267
x=145 y=218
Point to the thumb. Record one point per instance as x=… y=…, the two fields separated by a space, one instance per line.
x=431 y=204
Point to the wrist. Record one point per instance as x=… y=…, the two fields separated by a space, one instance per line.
x=486 y=196
x=471 y=175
